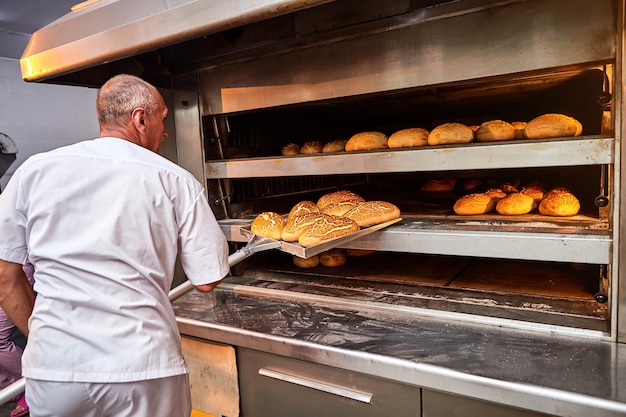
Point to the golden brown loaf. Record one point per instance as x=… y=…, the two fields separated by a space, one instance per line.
x=408 y=138
x=298 y=224
x=337 y=197
x=509 y=187
x=559 y=202
x=338 y=145
x=367 y=141
x=301 y=208
x=340 y=208
x=553 y=125
x=268 y=224
x=333 y=258
x=475 y=203
x=495 y=193
x=519 y=129
x=437 y=185
x=290 y=149
x=373 y=212
x=311 y=147
x=449 y=133
x=516 y=204
x=310 y=262
x=327 y=228
x=495 y=130
x=535 y=191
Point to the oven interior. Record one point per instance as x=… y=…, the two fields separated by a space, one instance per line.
x=567 y=294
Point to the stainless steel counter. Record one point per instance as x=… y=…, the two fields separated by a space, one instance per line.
x=550 y=373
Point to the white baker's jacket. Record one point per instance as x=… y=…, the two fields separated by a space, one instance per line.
x=102 y=222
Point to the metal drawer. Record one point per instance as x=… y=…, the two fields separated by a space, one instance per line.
x=272 y=385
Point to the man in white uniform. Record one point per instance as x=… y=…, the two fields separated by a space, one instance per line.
x=102 y=221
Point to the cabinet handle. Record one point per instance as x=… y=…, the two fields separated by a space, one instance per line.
x=318 y=385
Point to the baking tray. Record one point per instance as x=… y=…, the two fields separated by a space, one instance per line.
x=307 y=252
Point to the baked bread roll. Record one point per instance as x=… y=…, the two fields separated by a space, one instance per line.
x=337 y=197
x=373 y=212
x=535 y=191
x=298 y=224
x=338 y=145
x=408 y=138
x=437 y=185
x=472 y=184
x=519 y=129
x=475 y=203
x=495 y=193
x=310 y=262
x=268 y=224
x=311 y=147
x=333 y=258
x=340 y=208
x=327 y=228
x=290 y=149
x=516 y=204
x=495 y=130
x=302 y=208
x=559 y=202
x=510 y=186
x=552 y=125
x=474 y=129
x=449 y=133
x=367 y=141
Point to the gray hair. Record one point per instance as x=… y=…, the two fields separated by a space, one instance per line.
x=122 y=94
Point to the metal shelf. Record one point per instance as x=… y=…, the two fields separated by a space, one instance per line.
x=587 y=150
x=563 y=244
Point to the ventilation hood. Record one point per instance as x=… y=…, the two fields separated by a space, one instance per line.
x=102 y=31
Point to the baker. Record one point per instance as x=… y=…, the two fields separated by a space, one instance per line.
x=103 y=221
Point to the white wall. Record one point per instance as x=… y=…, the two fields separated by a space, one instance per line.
x=40 y=117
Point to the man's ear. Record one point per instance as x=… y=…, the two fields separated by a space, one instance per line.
x=139 y=119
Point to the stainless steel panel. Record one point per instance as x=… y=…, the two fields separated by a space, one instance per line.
x=110 y=30
x=437 y=404
x=618 y=282
x=272 y=385
x=535 y=153
x=190 y=145
x=412 y=51
x=543 y=369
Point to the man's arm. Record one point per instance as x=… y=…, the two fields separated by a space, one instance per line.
x=17 y=297
x=208 y=287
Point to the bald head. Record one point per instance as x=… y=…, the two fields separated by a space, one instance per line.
x=122 y=94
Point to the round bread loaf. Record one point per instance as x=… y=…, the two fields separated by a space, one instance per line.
x=290 y=149
x=327 y=228
x=495 y=130
x=301 y=208
x=333 y=258
x=340 y=208
x=373 y=212
x=310 y=262
x=298 y=224
x=519 y=129
x=311 y=147
x=471 y=184
x=552 y=125
x=338 y=145
x=509 y=187
x=268 y=224
x=338 y=197
x=474 y=128
x=495 y=193
x=408 y=138
x=449 y=133
x=475 y=203
x=516 y=204
x=367 y=141
x=534 y=191
x=559 y=202
x=438 y=185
